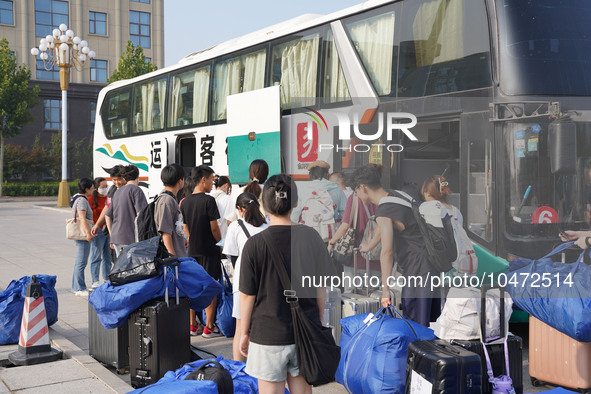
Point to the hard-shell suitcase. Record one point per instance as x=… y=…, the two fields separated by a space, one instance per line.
x=440 y=367
x=109 y=346
x=159 y=340
x=556 y=358
x=496 y=351
x=332 y=312
x=358 y=301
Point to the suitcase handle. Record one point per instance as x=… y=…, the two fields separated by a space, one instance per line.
x=148 y=347
x=483 y=290
x=449 y=347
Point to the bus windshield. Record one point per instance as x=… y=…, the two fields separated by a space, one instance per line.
x=545 y=47
x=538 y=202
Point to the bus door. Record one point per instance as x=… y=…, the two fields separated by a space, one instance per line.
x=254 y=120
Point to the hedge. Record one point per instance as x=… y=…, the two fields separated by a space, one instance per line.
x=18 y=189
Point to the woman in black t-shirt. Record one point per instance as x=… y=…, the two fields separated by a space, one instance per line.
x=267 y=328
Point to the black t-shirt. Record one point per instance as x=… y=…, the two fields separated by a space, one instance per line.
x=198 y=211
x=305 y=255
x=409 y=243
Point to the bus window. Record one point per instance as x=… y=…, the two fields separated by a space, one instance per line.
x=373 y=38
x=335 y=86
x=188 y=97
x=116 y=114
x=236 y=74
x=148 y=106
x=444 y=47
x=295 y=67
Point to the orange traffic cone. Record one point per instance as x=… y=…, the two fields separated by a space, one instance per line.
x=33 y=345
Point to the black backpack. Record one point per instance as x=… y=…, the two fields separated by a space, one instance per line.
x=144 y=223
x=439 y=242
x=214 y=371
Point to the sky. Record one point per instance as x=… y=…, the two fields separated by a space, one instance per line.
x=193 y=25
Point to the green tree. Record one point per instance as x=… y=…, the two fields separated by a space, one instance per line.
x=132 y=64
x=16 y=99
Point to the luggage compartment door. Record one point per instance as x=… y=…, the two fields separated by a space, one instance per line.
x=254 y=120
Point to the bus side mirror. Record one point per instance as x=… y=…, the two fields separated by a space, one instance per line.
x=562 y=144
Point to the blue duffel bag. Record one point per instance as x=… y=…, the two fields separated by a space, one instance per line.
x=223 y=319
x=12 y=301
x=555 y=293
x=373 y=351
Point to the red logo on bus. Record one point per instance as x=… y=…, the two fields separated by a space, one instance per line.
x=307 y=147
x=544 y=215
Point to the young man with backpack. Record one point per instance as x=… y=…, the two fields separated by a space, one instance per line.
x=400 y=231
x=200 y=216
x=321 y=203
x=167 y=214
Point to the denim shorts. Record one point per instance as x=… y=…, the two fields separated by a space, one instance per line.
x=271 y=363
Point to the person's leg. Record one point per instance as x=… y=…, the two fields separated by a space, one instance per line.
x=266 y=387
x=212 y=265
x=95 y=258
x=298 y=385
x=106 y=257
x=82 y=252
x=210 y=313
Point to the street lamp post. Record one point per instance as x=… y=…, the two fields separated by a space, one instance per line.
x=64 y=50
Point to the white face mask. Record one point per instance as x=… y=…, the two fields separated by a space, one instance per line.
x=103 y=190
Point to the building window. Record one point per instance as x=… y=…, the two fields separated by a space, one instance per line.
x=6 y=13
x=139 y=28
x=141 y=1
x=49 y=14
x=52 y=110
x=42 y=73
x=92 y=115
x=98 y=70
x=97 y=23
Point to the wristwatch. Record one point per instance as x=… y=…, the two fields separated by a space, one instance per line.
x=587 y=242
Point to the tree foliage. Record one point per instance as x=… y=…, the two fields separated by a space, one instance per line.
x=132 y=63
x=16 y=98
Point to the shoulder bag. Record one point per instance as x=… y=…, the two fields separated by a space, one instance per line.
x=368 y=235
x=74 y=229
x=317 y=353
x=343 y=248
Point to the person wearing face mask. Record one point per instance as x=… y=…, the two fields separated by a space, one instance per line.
x=222 y=189
x=100 y=254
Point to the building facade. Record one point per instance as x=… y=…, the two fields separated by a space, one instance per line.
x=106 y=25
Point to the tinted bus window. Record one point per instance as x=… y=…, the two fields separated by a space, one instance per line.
x=295 y=66
x=148 y=106
x=444 y=47
x=335 y=86
x=188 y=97
x=236 y=74
x=545 y=47
x=373 y=38
x=115 y=113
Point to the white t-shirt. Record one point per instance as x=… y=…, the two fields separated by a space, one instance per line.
x=223 y=201
x=234 y=243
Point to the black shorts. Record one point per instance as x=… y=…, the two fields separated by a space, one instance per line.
x=211 y=264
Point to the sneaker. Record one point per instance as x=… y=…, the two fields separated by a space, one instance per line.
x=81 y=293
x=95 y=285
x=211 y=333
x=195 y=330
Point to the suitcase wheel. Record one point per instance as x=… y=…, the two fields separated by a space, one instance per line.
x=536 y=383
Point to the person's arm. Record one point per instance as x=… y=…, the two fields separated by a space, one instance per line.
x=246 y=307
x=386 y=257
x=167 y=240
x=580 y=238
x=215 y=230
x=101 y=220
x=186 y=230
x=84 y=224
x=320 y=294
x=109 y=224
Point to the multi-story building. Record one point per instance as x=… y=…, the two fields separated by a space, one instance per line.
x=107 y=25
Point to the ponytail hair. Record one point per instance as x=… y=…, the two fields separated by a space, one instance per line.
x=437 y=187
x=257 y=173
x=253 y=214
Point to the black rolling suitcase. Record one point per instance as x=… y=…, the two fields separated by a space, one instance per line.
x=159 y=339
x=496 y=351
x=441 y=368
x=109 y=346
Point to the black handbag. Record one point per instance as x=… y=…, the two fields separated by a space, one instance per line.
x=343 y=248
x=317 y=353
x=138 y=261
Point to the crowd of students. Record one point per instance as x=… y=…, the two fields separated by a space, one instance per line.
x=265 y=210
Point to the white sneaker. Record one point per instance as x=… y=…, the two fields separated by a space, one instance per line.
x=95 y=285
x=81 y=293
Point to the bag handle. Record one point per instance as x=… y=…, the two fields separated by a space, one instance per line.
x=241 y=223
x=560 y=248
x=354 y=212
x=210 y=362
